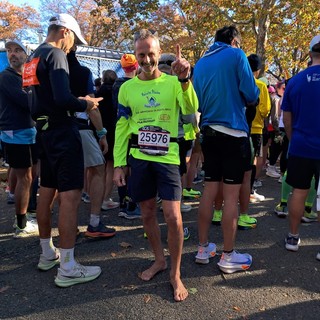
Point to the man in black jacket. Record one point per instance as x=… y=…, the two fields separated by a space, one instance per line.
x=18 y=134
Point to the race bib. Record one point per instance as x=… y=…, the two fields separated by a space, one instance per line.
x=153 y=140
x=29 y=77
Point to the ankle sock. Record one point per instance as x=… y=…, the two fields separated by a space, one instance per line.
x=48 y=249
x=67 y=259
x=94 y=219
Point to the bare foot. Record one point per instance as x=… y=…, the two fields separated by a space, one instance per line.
x=153 y=270
x=180 y=293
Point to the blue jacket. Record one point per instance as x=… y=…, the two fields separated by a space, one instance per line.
x=224 y=84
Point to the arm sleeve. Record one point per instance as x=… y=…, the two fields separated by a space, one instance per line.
x=188 y=99
x=59 y=79
x=122 y=133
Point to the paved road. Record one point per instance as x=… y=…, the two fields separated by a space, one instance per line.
x=280 y=284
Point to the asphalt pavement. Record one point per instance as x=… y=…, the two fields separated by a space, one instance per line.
x=279 y=285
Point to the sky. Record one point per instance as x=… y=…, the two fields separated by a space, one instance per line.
x=33 y=3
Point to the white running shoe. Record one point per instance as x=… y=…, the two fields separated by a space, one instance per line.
x=31 y=229
x=205 y=253
x=78 y=274
x=109 y=205
x=235 y=261
x=47 y=264
x=256 y=197
x=185 y=207
x=272 y=172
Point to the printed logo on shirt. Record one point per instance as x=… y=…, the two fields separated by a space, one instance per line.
x=313 y=77
x=29 y=76
x=164 y=117
x=152 y=102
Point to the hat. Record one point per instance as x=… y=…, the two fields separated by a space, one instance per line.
x=67 y=21
x=18 y=43
x=315 y=41
x=129 y=62
x=271 y=89
x=255 y=62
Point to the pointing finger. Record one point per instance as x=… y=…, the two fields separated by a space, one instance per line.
x=178 y=52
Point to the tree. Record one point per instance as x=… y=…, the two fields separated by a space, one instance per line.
x=15 y=21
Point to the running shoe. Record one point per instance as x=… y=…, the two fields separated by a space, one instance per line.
x=292 y=243
x=235 y=261
x=257 y=183
x=130 y=214
x=31 y=229
x=309 y=217
x=185 y=207
x=109 y=205
x=78 y=274
x=272 y=172
x=101 y=231
x=281 y=210
x=10 y=198
x=191 y=194
x=217 y=217
x=186 y=233
x=245 y=222
x=318 y=256
x=47 y=264
x=205 y=253
x=255 y=197
x=197 y=180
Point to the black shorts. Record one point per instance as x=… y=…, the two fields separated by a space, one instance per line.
x=257 y=144
x=300 y=172
x=225 y=157
x=184 y=147
x=21 y=156
x=110 y=140
x=149 y=178
x=61 y=165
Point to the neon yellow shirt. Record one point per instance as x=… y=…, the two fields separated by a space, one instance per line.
x=157 y=103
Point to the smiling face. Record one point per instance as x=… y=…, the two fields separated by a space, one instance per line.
x=147 y=52
x=16 y=56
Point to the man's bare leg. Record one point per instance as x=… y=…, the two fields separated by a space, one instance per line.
x=96 y=181
x=150 y=223
x=68 y=211
x=205 y=210
x=230 y=215
x=296 y=208
x=172 y=214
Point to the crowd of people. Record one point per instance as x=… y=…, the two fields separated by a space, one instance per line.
x=149 y=134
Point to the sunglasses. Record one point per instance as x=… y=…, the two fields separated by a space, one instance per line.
x=168 y=62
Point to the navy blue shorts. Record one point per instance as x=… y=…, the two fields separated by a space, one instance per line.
x=21 y=156
x=61 y=165
x=149 y=178
x=300 y=172
x=225 y=157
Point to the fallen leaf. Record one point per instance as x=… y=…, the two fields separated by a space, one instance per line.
x=113 y=254
x=236 y=308
x=147 y=299
x=125 y=245
x=192 y=290
x=262 y=309
x=3 y=289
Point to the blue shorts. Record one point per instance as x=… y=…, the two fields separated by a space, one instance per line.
x=61 y=165
x=149 y=178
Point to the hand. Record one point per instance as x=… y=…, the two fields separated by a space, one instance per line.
x=119 y=177
x=181 y=67
x=92 y=103
x=103 y=145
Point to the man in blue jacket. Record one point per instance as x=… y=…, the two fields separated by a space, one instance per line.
x=18 y=134
x=225 y=87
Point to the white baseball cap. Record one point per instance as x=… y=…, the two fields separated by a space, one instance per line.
x=315 y=41
x=18 y=43
x=69 y=22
